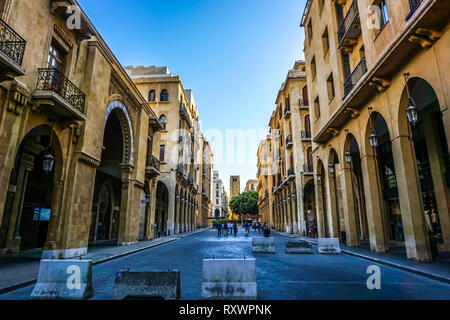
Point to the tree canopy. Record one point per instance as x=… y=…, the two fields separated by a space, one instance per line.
x=245 y=203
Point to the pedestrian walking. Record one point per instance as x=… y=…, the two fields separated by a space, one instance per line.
x=259 y=227
x=219 y=229
x=235 y=228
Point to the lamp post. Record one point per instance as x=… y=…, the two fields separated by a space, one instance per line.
x=49 y=159
x=411 y=111
x=373 y=138
x=331 y=168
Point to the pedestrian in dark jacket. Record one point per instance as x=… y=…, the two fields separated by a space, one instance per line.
x=235 y=229
x=219 y=229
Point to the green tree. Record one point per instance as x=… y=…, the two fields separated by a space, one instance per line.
x=245 y=203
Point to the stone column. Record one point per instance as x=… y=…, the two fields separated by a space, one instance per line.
x=127 y=214
x=55 y=218
x=289 y=225
x=374 y=205
x=411 y=201
x=348 y=195
x=177 y=214
x=437 y=166
x=295 y=213
x=13 y=237
x=319 y=209
x=332 y=205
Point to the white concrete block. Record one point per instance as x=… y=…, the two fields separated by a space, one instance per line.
x=233 y=279
x=328 y=245
x=263 y=245
x=64 y=280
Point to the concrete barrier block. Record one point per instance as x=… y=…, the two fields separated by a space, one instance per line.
x=328 y=245
x=301 y=247
x=263 y=245
x=164 y=285
x=233 y=279
x=64 y=280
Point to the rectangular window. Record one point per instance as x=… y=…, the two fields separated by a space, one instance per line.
x=305 y=96
x=317 y=107
x=162 y=150
x=313 y=67
x=325 y=41
x=330 y=88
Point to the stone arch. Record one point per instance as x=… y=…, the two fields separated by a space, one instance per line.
x=127 y=129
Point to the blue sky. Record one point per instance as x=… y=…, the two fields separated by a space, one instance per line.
x=233 y=54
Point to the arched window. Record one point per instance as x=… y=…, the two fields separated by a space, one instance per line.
x=164 y=96
x=162 y=120
x=152 y=96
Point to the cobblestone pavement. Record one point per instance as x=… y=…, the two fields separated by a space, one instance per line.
x=280 y=276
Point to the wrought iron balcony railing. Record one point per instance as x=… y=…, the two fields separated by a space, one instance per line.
x=290 y=173
x=153 y=162
x=348 y=21
x=52 y=80
x=289 y=141
x=11 y=44
x=287 y=112
x=308 y=168
x=356 y=75
x=414 y=5
x=306 y=135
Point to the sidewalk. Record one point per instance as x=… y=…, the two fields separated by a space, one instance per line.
x=396 y=258
x=21 y=270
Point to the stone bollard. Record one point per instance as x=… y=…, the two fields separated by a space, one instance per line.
x=328 y=245
x=64 y=280
x=233 y=279
x=263 y=245
x=300 y=247
x=164 y=285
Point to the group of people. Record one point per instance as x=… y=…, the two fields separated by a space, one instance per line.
x=226 y=229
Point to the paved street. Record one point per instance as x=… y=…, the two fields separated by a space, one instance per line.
x=280 y=276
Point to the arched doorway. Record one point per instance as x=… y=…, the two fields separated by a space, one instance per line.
x=162 y=206
x=391 y=214
x=322 y=211
x=356 y=224
x=28 y=207
x=432 y=157
x=309 y=206
x=108 y=183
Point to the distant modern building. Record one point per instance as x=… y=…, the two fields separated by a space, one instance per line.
x=251 y=185
x=235 y=185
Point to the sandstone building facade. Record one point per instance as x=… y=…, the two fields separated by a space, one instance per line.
x=379 y=87
x=285 y=165
x=220 y=198
x=185 y=154
x=77 y=139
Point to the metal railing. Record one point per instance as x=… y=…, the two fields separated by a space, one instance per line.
x=11 y=44
x=153 y=162
x=290 y=173
x=306 y=134
x=356 y=75
x=184 y=114
x=289 y=140
x=52 y=80
x=348 y=20
x=308 y=168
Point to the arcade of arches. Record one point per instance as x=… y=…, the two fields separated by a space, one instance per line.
x=388 y=184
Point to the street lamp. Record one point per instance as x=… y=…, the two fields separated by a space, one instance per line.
x=411 y=111
x=348 y=157
x=373 y=139
x=49 y=159
x=319 y=177
x=331 y=168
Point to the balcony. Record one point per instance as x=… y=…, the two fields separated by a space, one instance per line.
x=303 y=104
x=59 y=94
x=12 y=49
x=152 y=168
x=289 y=142
x=306 y=135
x=185 y=115
x=290 y=174
x=287 y=112
x=353 y=79
x=350 y=28
x=308 y=169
